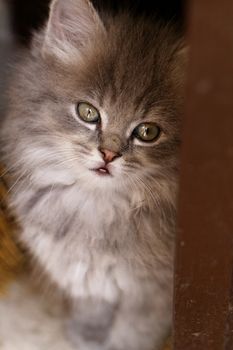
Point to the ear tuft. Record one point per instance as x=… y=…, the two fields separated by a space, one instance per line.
x=72 y=25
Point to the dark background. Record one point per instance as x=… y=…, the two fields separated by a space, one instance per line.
x=29 y=15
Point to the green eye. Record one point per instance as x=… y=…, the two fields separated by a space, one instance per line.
x=147 y=132
x=88 y=113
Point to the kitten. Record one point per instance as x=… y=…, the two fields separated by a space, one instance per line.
x=91 y=138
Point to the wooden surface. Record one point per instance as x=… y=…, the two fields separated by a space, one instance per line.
x=204 y=257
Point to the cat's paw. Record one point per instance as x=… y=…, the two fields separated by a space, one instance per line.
x=91 y=334
x=89 y=324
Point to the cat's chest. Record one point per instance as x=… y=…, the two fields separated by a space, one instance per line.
x=74 y=236
x=74 y=212
x=84 y=243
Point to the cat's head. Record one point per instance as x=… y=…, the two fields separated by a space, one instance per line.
x=98 y=102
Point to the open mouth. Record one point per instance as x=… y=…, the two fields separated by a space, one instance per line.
x=103 y=171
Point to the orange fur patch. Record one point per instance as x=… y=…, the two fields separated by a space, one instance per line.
x=11 y=258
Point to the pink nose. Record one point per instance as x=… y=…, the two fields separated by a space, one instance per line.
x=109 y=156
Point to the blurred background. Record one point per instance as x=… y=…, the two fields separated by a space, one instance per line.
x=29 y=15
x=6 y=50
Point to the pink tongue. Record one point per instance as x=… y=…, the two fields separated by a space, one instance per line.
x=102 y=170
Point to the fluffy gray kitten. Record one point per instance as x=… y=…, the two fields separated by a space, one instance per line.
x=91 y=140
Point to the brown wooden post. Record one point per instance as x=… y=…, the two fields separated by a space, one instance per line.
x=229 y=326
x=204 y=257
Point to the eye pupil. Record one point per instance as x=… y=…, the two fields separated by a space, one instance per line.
x=89 y=113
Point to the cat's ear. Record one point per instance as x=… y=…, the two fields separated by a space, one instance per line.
x=72 y=26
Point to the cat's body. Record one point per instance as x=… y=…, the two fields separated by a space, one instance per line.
x=107 y=261
x=97 y=204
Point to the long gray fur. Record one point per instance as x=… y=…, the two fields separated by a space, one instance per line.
x=106 y=242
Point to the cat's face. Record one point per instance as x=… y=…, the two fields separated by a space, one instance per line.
x=104 y=109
